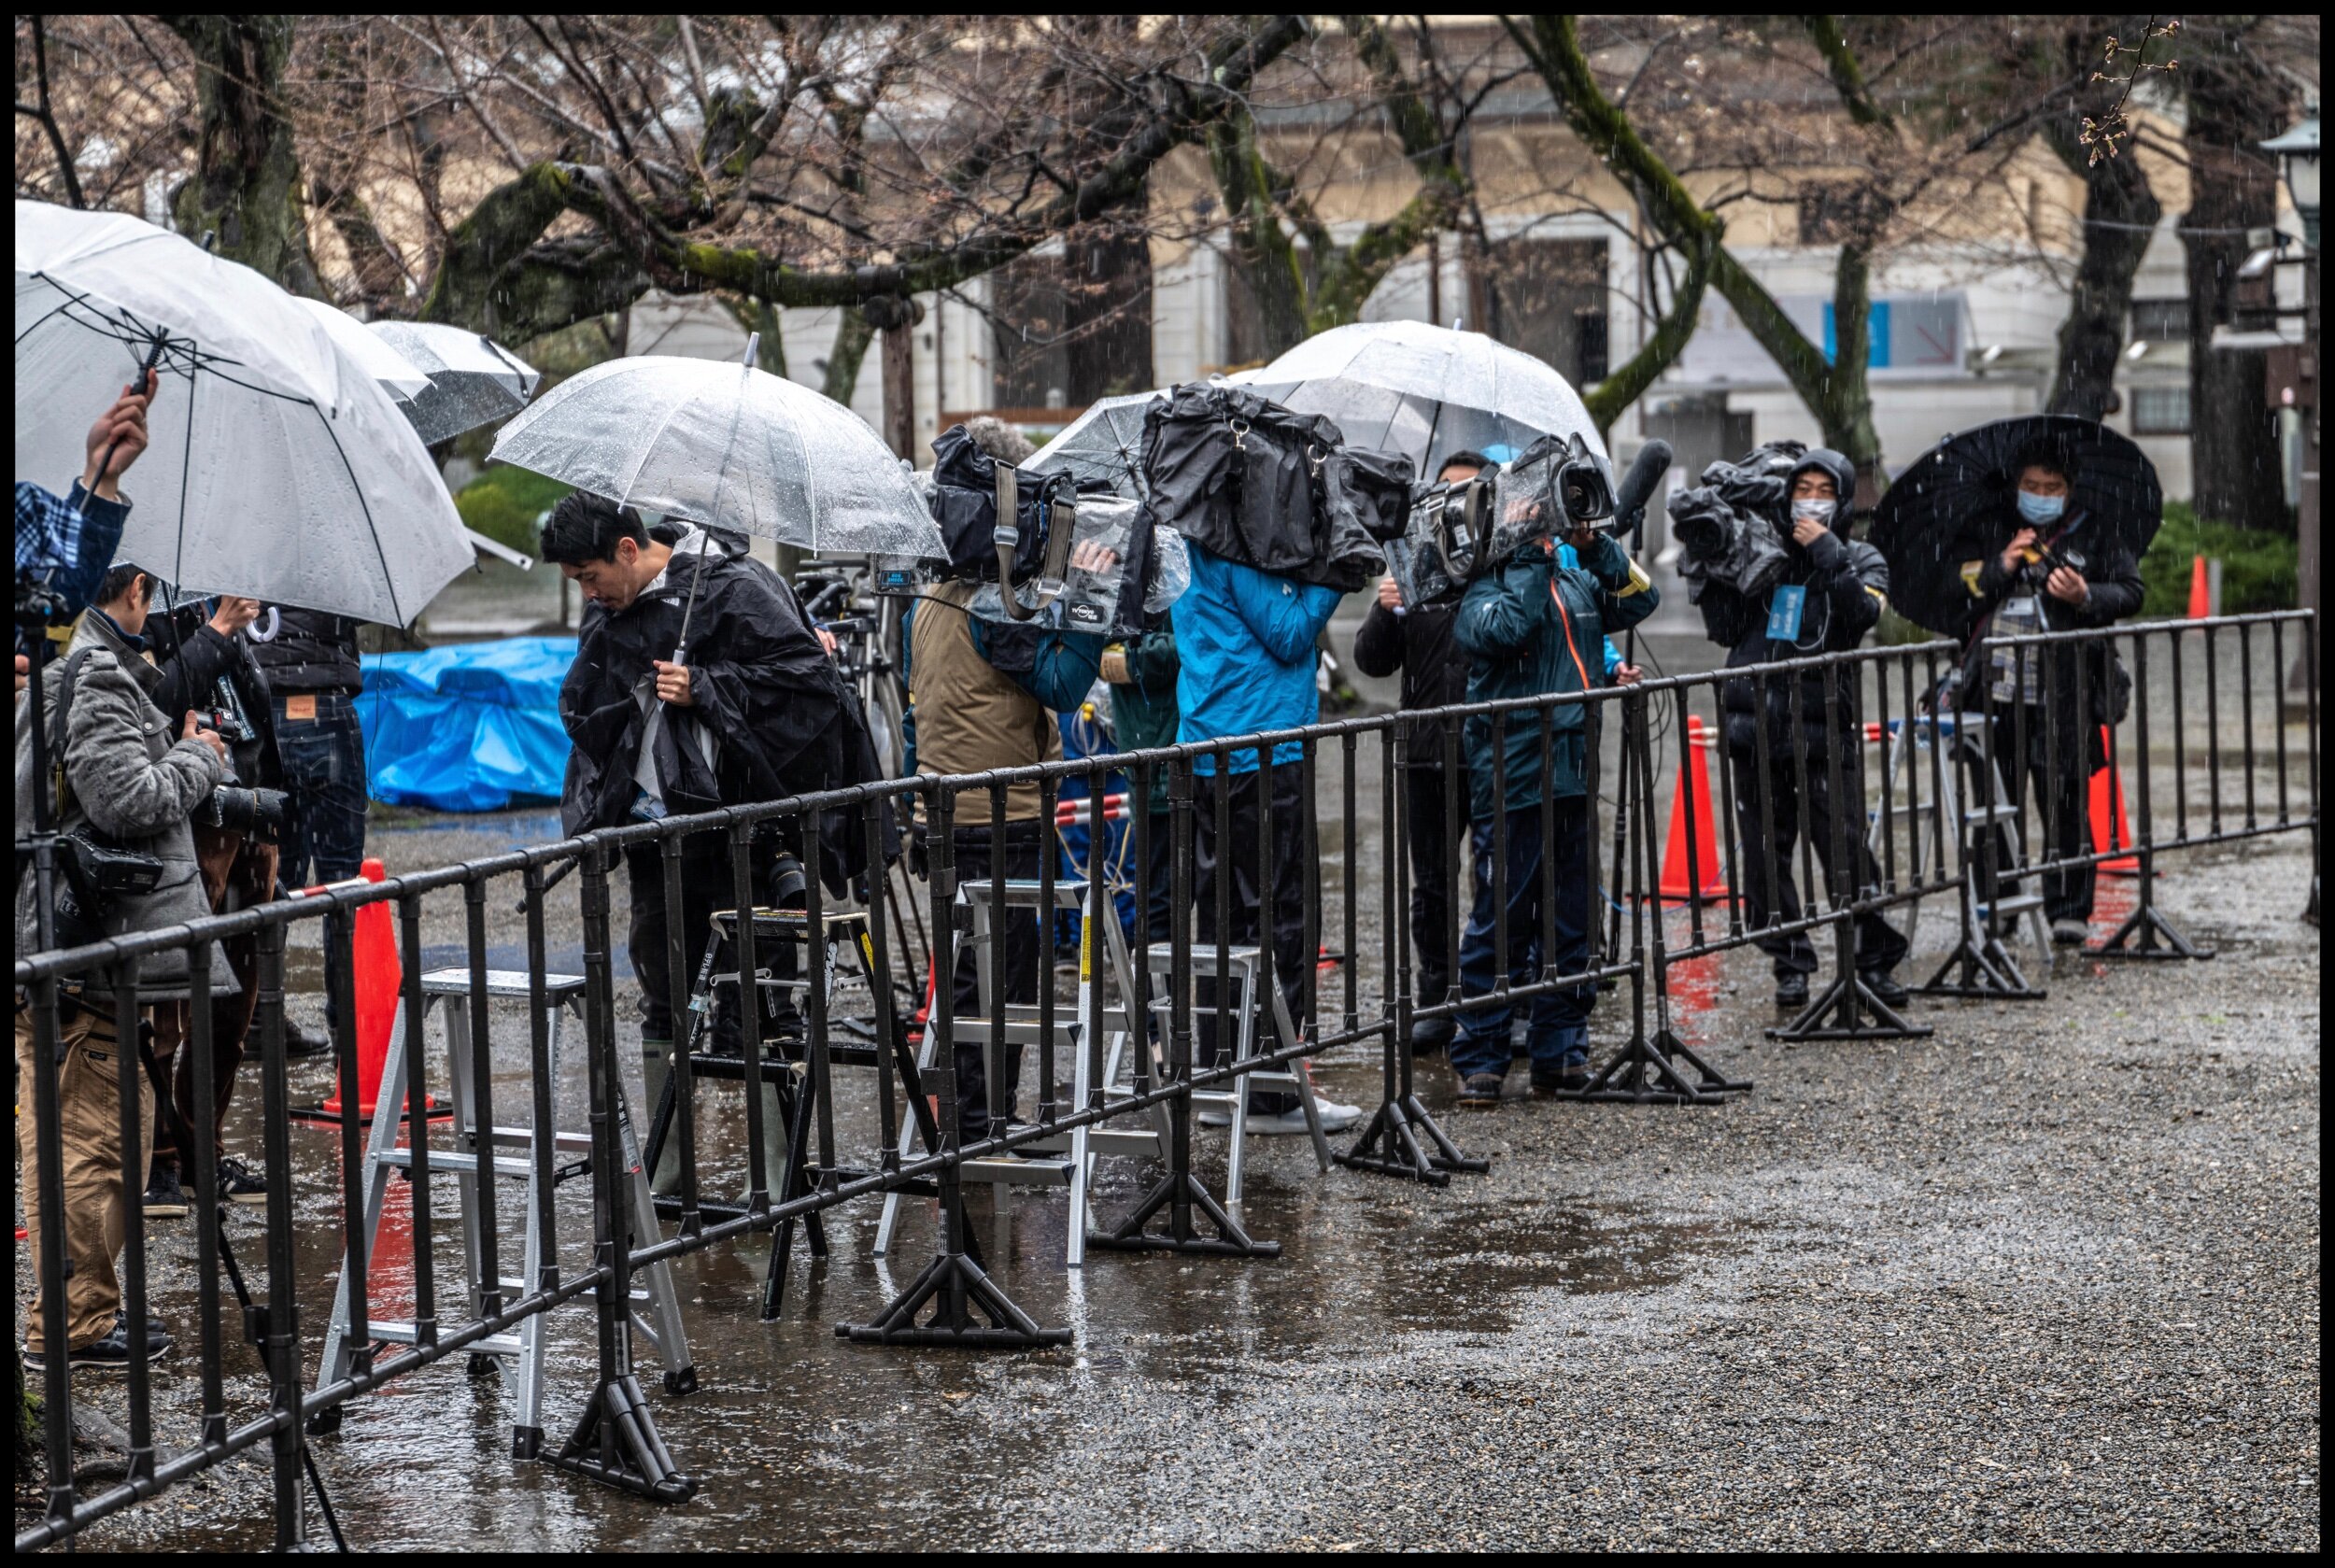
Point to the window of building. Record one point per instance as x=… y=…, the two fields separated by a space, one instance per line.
x=2160 y=411
x=2160 y=321
x=1547 y=298
x=1831 y=214
x=1074 y=326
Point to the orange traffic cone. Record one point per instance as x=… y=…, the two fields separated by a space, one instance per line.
x=1675 y=883
x=378 y=978
x=2109 y=829
x=2200 y=596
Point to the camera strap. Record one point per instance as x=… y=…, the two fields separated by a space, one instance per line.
x=57 y=715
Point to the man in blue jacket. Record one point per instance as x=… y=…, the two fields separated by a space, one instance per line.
x=1245 y=643
x=1535 y=626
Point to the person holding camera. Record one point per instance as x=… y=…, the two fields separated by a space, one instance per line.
x=1245 y=647
x=985 y=696
x=1821 y=594
x=208 y=671
x=1416 y=641
x=1141 y=671
x=1534 y=626
x=751 y=709
x=2054 y=576
x=124 y=780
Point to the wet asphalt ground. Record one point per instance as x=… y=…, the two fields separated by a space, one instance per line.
x=2047 y=1277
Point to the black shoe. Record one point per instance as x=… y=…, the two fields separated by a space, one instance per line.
x=1792 y=991
x=164 y=1198
x=300 y=1041
x=155 y=1328
x=1885 y=988
x=1480 y=1091
x=1571 y=1080
x=109 y=1354
x=239 y=1183
x=1430 y=1036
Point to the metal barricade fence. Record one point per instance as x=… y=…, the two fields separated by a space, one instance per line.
x=1554 y=931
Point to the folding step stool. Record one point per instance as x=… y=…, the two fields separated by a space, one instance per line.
x=517 y=1356
x=1065 y=1159
x=1242 y=964
x=784 y=1070
x=1907 y=741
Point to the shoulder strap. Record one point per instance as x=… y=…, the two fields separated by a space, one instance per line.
x=57 y=724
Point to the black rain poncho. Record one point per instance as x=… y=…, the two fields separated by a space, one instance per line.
x=772 y=716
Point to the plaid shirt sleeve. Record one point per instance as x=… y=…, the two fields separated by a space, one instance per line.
x=69 y=541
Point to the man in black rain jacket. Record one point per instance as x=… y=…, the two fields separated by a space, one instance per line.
x=750 y=708
x=1829 y=594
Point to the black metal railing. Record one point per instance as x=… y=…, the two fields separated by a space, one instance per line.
x=1804 y=745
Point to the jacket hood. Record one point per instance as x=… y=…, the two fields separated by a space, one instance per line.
x=1844 y=474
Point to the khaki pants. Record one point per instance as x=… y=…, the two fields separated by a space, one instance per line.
x=89 y=1103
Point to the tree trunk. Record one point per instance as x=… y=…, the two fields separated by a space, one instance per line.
x=841 y=377
x=247 y=185
x=2235 y=457
x=1843 y=400
x=2120 y=212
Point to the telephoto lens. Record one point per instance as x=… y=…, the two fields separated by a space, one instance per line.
x=256 y=812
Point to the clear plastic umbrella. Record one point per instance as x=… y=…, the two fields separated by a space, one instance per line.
x=276 y=467
x=1105 y=442
x=473 y=380
x=721 y=442
x=371 y=351
x=1423 y=390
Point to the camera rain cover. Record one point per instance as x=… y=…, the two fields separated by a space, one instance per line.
x=1150 y=572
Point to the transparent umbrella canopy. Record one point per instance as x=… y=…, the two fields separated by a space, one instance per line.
x=277 y=468
x=721 y=442
x=1103 y=444
x=1423 y=390
x=473 y=380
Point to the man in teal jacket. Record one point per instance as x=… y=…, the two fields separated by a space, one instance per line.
x=1536 y=627
x=1245 y=651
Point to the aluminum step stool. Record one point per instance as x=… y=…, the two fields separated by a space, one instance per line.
x=1967 y=747
x=517 y=1356
x=1242 y=962
x=1065 y=1159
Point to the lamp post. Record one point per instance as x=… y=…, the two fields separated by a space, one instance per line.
x=2294 y=372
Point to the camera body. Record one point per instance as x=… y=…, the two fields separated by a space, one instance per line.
x=1730 y=526
x=1460 y=532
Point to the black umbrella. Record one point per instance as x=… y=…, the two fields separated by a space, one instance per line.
x=1956 y=504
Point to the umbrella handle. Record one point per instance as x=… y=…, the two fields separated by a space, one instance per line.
x=145 y=373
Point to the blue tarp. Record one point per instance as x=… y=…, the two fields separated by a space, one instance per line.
x=466 y=727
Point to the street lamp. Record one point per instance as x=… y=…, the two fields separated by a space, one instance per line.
x=2298 y=152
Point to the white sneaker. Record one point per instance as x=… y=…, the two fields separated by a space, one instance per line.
x=1286 y=1123
x=1336 y=1118
x=1214 y=1116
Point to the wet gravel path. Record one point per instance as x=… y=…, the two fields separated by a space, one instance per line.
x=2049 y=1277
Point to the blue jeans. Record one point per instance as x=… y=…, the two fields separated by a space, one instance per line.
x=1559 y=1029
x=324 y=772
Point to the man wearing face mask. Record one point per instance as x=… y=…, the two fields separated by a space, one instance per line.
x=1829 y=594
x=2056 y=574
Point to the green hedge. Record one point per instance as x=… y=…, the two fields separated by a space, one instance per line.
x=504 y=503
x=2258 y=565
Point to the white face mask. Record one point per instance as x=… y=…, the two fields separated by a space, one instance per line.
x=1813 y=511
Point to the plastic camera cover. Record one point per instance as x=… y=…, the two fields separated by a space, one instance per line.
x=1089 y=600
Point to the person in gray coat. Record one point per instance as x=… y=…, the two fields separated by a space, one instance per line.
x=116 y=770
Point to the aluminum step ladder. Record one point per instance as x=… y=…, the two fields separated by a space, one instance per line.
x=1241 y=964
x=518 y=1356
x=1067 y=1159
x=1967 y=748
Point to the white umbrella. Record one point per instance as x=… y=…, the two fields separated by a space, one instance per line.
x=372 y=352
x=1105 y=442
x=1424 y=391
x=472 y=380
x=726 y=443
x=276 y=467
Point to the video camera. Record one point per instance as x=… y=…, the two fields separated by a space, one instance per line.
x=1730 y=527
x=1557 y=485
